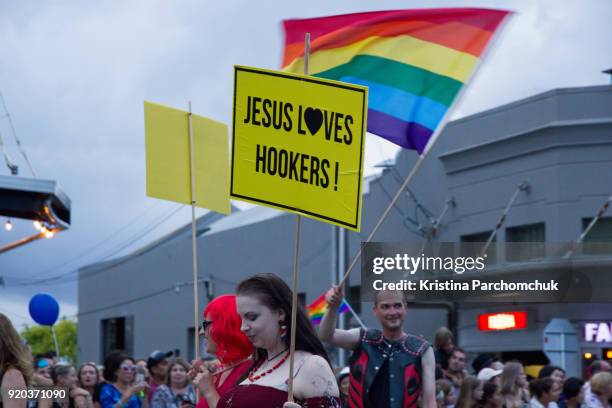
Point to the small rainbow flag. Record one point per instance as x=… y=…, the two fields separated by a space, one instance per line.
x=317 y=309
x=414 y=62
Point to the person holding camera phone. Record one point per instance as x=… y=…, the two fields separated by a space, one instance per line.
x=121 y=391
x=178 y=391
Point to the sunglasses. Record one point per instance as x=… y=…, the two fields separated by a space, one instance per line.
x=206 y=324
x=127 y=367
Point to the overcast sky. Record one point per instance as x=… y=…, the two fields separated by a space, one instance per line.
x=75 y=74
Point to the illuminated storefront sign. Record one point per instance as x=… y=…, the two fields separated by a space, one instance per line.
x=598 y=332
x=502 y=321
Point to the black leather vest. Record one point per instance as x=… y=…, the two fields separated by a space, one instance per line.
x=404 y=359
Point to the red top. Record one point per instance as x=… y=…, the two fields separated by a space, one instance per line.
x=254 y=395
x=229 y=383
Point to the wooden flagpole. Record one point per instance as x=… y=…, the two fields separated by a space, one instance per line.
x=194 y=248
x=296 y=262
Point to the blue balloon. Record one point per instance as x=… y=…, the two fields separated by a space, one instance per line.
x=44 y=309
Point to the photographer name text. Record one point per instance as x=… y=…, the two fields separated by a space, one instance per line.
x=473 y=285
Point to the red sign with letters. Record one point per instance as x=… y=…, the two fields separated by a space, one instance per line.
x=502 y=321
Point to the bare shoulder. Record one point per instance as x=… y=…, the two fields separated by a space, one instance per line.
x=13 y=378
x=315 y=378
x=314 y=362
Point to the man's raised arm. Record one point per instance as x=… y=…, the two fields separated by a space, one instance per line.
x=347 y=339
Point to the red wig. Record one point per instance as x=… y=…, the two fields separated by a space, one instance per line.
x=232 y=344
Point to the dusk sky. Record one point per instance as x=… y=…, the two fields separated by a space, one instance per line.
x=74 y=76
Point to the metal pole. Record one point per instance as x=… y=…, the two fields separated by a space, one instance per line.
x=334 y=254
x=20 y=242
x=434 y=228
x=582 y=236
x=563 y=351
x=524 y=186
x=355 y=315
x=335 y=266
x=341 y=266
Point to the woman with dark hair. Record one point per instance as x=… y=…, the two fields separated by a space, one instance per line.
x=221 y=329
x=65 y=376
x=554 y=372
x=15 y=365
x=491 y=396
x=264 y=304
x=178 y=390
x=89 y=379
x=470 y=394
x=573 y=393
x=119 y=391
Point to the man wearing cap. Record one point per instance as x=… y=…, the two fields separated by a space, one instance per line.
x=482 y=361
x=389 y=367
x=490 y=375
x=157 y=363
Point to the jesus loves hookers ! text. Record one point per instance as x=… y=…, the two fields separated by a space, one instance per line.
x=304 y=168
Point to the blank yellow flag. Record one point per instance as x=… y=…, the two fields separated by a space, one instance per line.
x=167 y=151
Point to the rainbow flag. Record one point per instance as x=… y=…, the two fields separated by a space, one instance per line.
x=317 y=309
x=413 y=61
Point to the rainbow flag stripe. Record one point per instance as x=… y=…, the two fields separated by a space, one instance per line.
x=317 y=309
x=413 y=61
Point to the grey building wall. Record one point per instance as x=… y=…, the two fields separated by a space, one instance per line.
x=559 y=141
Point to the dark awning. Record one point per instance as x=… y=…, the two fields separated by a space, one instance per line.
x=34 y=199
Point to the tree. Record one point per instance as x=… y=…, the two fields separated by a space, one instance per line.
x=41 y=339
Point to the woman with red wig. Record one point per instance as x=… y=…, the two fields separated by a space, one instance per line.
x=221 y=329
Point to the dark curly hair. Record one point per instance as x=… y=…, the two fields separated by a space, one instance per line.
x=113 y=362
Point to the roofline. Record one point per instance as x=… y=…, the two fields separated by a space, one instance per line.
x=530 y=99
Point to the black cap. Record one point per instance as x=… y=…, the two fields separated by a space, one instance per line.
x=157 y=356
x=481 y=361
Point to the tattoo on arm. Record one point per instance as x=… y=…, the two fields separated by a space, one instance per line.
x=323 y=383
x=320 y=383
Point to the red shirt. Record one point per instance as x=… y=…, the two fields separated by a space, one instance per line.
x=152 y=387
x=229 y=383
x=255 y=395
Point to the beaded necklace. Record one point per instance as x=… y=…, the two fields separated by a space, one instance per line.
x=252 y=377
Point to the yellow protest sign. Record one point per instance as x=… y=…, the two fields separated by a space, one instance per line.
x=167 y=156
x=298 y=144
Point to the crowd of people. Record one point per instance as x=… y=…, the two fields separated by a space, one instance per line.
x=248 y=335
x=495 y=384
